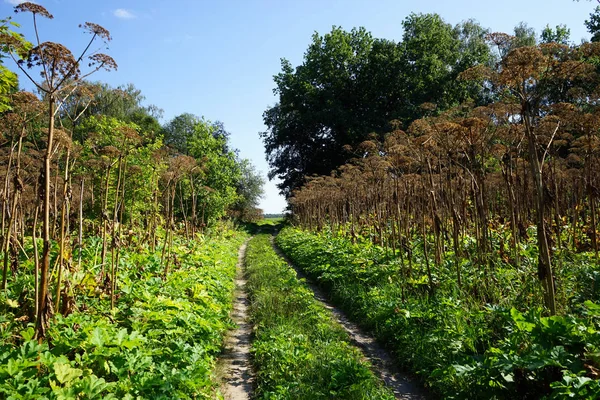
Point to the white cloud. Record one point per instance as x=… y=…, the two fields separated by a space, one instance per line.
x=123 y=14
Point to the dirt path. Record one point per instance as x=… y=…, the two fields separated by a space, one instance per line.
x=383 y=363
x=235 y=365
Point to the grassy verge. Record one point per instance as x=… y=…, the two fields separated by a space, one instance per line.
x=299 y=351
x=160 y=342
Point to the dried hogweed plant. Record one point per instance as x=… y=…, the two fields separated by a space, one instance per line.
x=60 y=73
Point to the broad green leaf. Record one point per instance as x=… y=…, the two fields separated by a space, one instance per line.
x=520 y=321
x=65 y=373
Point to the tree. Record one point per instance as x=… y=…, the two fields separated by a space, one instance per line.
x=430 y=49
x=593 y=24
x=178 y=130
x=210 y=187
x=524 y=35
x=561 y=34
x=351 y=85
x=9 y=40
x=97 y=99
x=321 y=107
x=249 y=190
x=120 y=102
x=220 y=171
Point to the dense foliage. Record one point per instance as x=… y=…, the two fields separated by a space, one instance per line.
x=159 y=341
x=117 y=274
x=463 y=347
x=351 y=84
x=299 y=351
x=528 y=158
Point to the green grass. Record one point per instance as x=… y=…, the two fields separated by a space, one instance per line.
x=271 y=221
x=299 y=351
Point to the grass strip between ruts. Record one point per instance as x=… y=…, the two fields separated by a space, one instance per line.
x=300 y=352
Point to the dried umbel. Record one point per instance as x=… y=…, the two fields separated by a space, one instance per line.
x=135 y=170
x=524 y=64
x=62 y=138
x=130 y=135
x=110 y=151
x=24 y=98
x=97 y=30
x=57 y=56
x=26 y=104
x=502 y=41
x=33 y=8
x=25 y=107
x=104 y=61
x=181 y=165
x=10 y=123
x=591 y=49
x=479 y=73
x=368 y=147
x=428 y=107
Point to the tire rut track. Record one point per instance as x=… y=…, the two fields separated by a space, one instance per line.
x=404 y=387
x=235 y=364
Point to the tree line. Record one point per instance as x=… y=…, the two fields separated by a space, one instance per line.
x=81 y=159
x=474 y=135
x=352 y=84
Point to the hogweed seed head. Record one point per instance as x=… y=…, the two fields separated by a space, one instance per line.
x=103 y=61
x=56 y=55
x=96 y=30
x=33 y=8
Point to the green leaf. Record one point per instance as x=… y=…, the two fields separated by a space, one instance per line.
x=520 y=321
x=93 y=386
x=12 y=367
x=12 y=303
x=97 y=337
x=507 y=377
x=65 y=373
x=28 y=334
x=593 y=308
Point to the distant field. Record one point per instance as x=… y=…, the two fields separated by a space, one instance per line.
x=270 y=221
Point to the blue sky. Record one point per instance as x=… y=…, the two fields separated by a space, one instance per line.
x=217 y=58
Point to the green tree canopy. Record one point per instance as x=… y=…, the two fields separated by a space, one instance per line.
x=249 y=190
x=351 y=85
x=179 y=129
x=561 y=34
x=9 y=39
x=593 y=24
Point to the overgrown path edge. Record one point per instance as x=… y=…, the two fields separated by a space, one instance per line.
x=402 y=386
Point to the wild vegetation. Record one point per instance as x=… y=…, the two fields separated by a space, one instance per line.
x=299 y=351
x=460 y=346
x=444 y=188
x=117 y=273
x=465 y=233
x=160 y=340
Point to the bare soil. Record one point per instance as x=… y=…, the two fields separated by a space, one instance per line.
x=234 y=364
